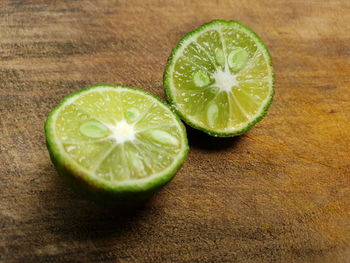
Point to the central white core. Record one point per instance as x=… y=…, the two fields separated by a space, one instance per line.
x=225 y=80
x=123 y=131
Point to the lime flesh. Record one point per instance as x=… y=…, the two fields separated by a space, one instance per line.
x=115 y=143
x=219 y=78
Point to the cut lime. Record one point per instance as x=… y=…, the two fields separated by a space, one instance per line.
x=115 y=144
x=219 y=78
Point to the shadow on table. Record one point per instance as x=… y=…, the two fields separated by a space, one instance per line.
x=203 y=141
x=71 y=217
x=68 y=216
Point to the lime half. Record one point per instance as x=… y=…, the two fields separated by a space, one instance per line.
x=115 y=144
x=219 y=78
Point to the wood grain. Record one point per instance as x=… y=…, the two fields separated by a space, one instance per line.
x=280 y=193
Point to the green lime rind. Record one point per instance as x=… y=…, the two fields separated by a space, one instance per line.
x=99 y=190
x=168 y=86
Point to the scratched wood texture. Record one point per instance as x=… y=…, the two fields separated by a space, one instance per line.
x=280 y=193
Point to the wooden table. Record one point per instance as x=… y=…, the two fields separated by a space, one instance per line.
x=280 y=193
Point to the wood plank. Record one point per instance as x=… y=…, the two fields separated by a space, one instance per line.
x=280 y=193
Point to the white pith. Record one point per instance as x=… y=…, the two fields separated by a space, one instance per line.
x=224 y=80
x=122 y=131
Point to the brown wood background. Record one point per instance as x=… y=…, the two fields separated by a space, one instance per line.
x=280 y=193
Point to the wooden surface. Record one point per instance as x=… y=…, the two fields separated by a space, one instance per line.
x=280 y=193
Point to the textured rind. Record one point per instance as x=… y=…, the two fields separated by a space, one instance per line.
x=167 y=82
x=94 y=189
